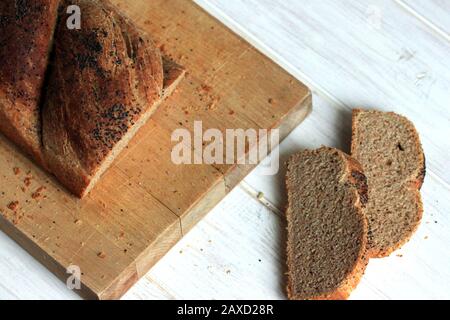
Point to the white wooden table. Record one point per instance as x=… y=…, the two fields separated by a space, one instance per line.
x=384 y=54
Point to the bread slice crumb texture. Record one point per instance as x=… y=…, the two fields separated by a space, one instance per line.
x=327 y=229
x=388 y=147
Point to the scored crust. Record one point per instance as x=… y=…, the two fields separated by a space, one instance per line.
x=356 y=177
x=26 y=32
x=173 y=74
x=80 y=184
x=120 y=78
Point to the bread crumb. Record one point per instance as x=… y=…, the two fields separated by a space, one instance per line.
x=206 y=88
x=399 y=255
x=27 y=181
x=213 y=104
x=425 y=238
x=260 y=195
x=16 y=170
x=37 y=194
x=101 y=255
x=14 y=205
x=78 y=222
x=271 y=100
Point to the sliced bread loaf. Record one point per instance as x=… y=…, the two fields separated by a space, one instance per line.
x=388 y=147
x=327 y=228
x=106 y=81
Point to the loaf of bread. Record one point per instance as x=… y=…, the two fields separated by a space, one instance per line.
x=388 y=147
x=26 y=31
x=106 y=81
x=103 y=82
x=327 y=228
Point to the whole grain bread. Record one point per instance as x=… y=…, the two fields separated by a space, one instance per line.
x=388 y=147
x=327 y=228
x=106 y=81
x=26 y=31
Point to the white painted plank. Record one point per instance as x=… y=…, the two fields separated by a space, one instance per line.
x=434 y=13
x=341 y=52
x=359 y=52
x=423 y=271
x=329 y=124
x=23 y=277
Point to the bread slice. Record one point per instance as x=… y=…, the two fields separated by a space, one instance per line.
x=388 y=147
x=26 y=32
x=327 y=228
x=106 y=81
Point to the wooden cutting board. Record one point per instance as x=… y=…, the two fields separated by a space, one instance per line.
x=145 y=203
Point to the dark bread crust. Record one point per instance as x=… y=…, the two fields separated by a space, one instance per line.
x=413 y=186
x=117 y=75
x=26 y=32
x=422 y=173
x=357 y=179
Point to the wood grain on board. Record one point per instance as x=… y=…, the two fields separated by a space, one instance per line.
x=145 y=203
